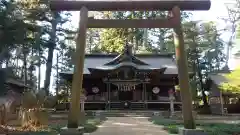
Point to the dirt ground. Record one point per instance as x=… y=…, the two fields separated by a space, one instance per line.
x=132 y=125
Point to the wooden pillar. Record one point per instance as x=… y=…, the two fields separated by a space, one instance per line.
x=108 y=90
x=74 y=112
x=181 y=59
x=144 y=94
x=222 y=103
x=143 y=99
x=109 y=94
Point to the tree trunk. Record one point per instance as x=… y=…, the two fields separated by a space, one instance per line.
x=50 y=54
x=57 y=82
x=2 y=55
x=161 y=41
x=25 y=65
x=48 y=70
x=7 y=63
x=31 y=69
x=39 y=63
x=196 y=67
x=39 y=76
x=204 y=96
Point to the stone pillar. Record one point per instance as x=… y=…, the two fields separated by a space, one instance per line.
x=171 y=99
x=109 y=95
x=82 y=101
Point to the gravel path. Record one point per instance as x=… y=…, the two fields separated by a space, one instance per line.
x=128 y=126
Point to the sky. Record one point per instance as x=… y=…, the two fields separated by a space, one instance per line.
x=216 y=11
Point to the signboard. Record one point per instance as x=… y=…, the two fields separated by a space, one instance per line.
x=216 y=105
x=215 y=100
x=126 y=87
x=127 y=5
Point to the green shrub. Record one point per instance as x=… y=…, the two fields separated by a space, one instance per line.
x=166 y=122
x=88 y=128
x=172 y=129
x=211 y=128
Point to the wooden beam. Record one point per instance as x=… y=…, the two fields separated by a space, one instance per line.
x=162 y=84
x=133 y=23
x=76 y=91
x=129 y=5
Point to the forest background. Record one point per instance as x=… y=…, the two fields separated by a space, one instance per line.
x=36 y=43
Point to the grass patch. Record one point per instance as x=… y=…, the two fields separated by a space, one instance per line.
x=90 y=125
x=172 y=127
x=54 y=126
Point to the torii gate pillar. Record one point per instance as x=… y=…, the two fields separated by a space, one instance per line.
x=77 y=90
x=131 y=5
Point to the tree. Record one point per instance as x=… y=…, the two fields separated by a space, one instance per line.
x=13 y=29
x=204 y=48
x=232 y=21
x=16 y=40
x=51 y=24
x=113 y=40
x=28 y=29
x=233 y=84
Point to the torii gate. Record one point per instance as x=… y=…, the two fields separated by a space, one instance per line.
x=174 y=21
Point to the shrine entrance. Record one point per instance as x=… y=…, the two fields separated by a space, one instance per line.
x=125 y=95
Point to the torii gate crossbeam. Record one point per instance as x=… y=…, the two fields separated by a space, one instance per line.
x=129 y=5
x=174 y=21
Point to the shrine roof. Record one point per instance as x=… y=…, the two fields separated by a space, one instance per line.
x=112 y=67
x=127 y=5
x=10 y=79
x=218 y=79
x=18 y=83
x=126 y=57
x=153 y=61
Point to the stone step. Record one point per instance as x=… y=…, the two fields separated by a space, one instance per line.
x=137 y=106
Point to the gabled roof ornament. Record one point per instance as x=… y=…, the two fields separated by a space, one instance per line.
x=126 y=56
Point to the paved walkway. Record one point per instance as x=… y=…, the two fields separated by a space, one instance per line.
x=128 y=126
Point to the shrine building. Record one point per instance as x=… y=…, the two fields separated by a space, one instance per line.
x=128 y=81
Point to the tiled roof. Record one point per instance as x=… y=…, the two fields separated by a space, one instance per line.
x=16 y=82
x=218 y=79
x=155 y=61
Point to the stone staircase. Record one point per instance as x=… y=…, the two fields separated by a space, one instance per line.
x=129 y=106
x=125 y=113
x=137 y=106
x=115 y=106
